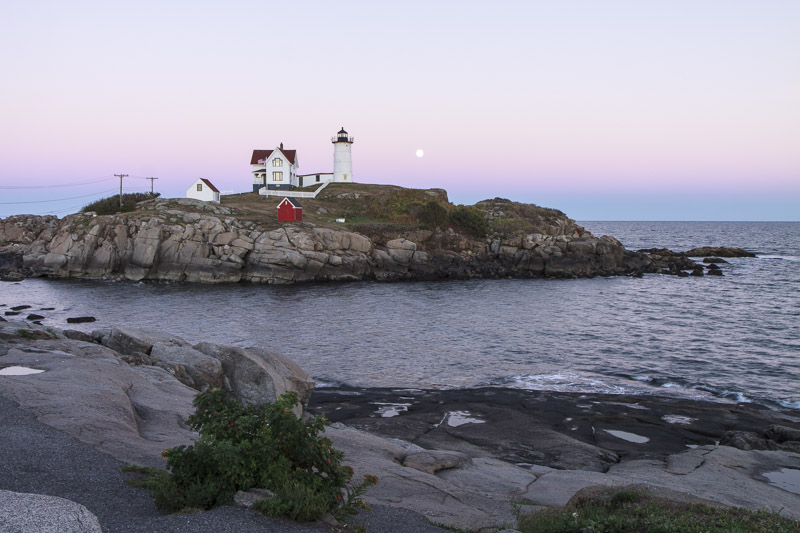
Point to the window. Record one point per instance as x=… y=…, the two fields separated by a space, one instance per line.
x=277 y=176
x=317 y=178
x=199 y=187
x=277 y=162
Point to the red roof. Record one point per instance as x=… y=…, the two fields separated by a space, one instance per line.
x=210 y=185
x=264 y=154
x=294 y=203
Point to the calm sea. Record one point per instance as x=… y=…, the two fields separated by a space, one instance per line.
x=736 y=337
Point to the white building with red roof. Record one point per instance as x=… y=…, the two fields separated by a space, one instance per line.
x=274 y=169
x=204 y=190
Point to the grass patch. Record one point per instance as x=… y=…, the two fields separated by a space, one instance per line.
x=629 y=510
x=25 y=333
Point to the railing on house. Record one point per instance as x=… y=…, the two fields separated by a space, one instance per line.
x=292 y=194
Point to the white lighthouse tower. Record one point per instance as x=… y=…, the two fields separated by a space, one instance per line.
x=342 y=160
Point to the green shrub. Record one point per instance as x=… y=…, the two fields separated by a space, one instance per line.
x=110 y=205
x=433 y=214
x=265 y=446
x=469 y=220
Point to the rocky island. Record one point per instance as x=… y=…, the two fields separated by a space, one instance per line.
x=389 y=234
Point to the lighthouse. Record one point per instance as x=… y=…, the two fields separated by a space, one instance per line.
x=342 y=160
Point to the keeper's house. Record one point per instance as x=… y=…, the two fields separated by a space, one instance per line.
x=204 y=190
x=274 y=169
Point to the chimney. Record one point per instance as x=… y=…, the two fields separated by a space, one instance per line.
x=281 y=146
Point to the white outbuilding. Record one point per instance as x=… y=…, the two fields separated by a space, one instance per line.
x=204 y=190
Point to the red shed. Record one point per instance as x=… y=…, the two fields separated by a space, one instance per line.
x=290 y=210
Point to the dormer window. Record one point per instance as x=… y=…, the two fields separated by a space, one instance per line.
x=277 y=162
x=199 y=187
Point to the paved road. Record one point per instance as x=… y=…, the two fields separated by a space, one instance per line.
x=37 y=458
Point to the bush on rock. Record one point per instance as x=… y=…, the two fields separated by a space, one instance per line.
x=265 y=446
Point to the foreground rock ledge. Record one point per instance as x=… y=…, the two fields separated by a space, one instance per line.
x=122 y=405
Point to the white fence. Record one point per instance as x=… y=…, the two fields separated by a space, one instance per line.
x=293 y=194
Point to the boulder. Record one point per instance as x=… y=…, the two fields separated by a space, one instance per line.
x=20 y=512
x=131 y=341
x=431 y=461
x=713 y=260
x=204 y=372
x=253 y=375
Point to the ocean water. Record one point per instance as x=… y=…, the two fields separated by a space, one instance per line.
x=731 y=338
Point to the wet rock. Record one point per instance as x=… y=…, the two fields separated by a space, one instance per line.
x=746 y=440
x=20 y=307
x=708 y=251
x=782 y=434
x=698 y=271
x=81 y=320
x=713 y=260
x=34 y=316
x=11 y=313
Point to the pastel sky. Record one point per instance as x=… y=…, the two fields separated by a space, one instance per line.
x=605 y=109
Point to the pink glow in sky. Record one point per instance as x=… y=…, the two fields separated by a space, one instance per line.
x=619 y=109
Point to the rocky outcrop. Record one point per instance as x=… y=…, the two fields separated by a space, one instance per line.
x=129 y=393
x=775 y=437
x=213 y=247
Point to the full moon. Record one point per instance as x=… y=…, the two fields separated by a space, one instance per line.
x=420 y=153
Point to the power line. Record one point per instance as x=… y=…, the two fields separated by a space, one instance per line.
x=76 y=184
x=57 y=200
x=151 y=183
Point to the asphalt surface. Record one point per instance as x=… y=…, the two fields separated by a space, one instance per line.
x=36 y=458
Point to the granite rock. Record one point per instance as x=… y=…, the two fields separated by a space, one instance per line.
x=22 y=513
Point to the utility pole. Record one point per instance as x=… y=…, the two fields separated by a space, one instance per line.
x=120 y=176
x=151 y=184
